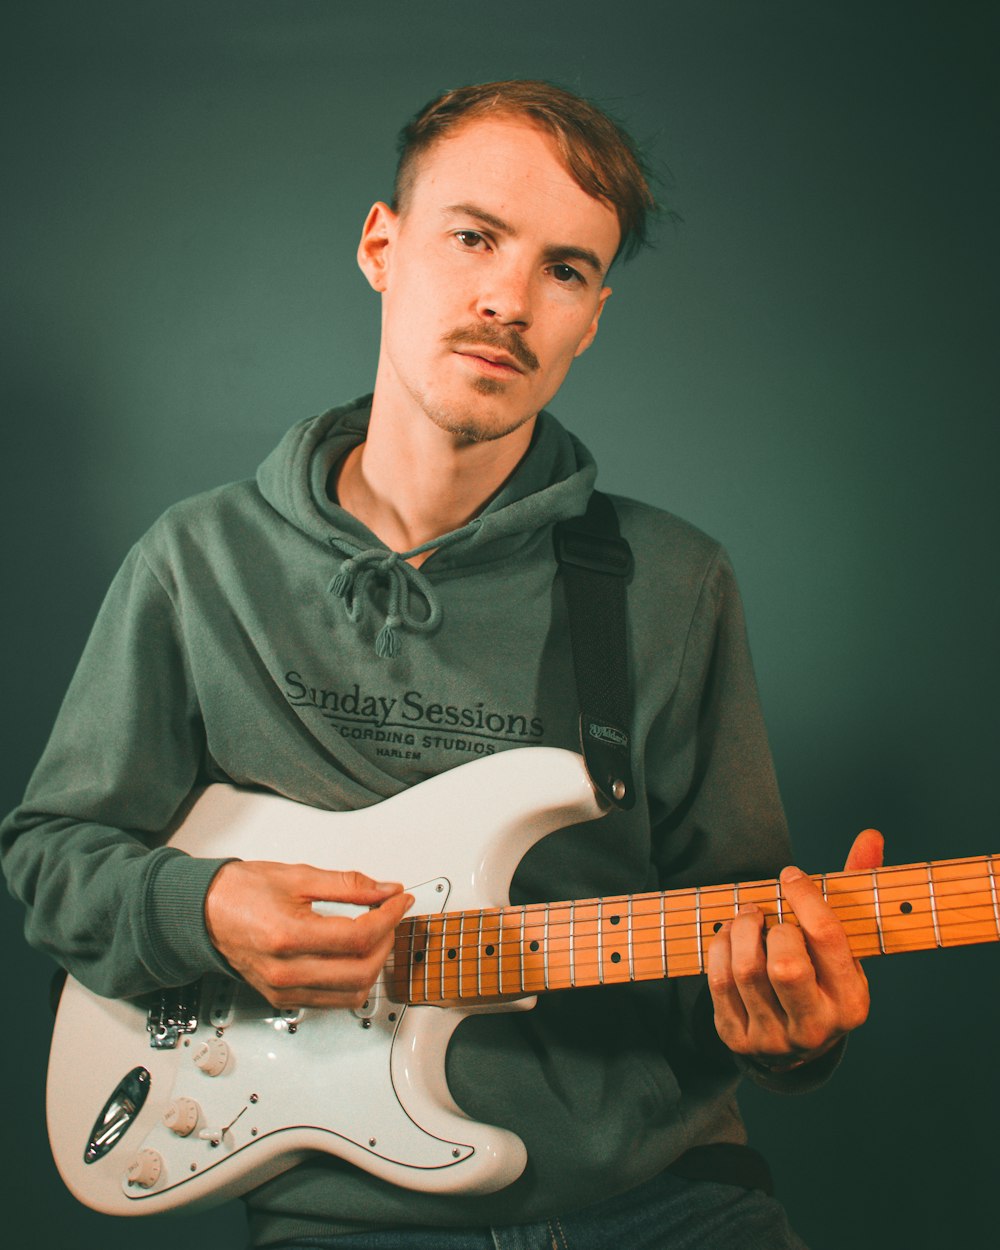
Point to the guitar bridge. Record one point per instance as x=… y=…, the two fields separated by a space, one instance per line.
x=173 y=1012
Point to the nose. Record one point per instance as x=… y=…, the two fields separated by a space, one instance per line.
x=506 y=296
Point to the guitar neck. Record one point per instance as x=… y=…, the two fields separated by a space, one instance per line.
x=482 y=956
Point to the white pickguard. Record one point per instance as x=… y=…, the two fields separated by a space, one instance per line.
x=368 y=1085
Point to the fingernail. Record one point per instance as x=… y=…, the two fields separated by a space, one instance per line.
x=388 y=885
x=791 y=873
x=748 y=909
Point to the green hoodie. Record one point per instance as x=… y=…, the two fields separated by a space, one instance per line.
x=249 y=638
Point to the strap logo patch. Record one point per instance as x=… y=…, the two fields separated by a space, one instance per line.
x=608 y=733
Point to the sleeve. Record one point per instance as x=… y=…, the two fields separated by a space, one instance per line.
x=723 y=820
x=85 y=850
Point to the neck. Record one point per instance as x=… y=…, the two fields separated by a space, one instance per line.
x=411 y=482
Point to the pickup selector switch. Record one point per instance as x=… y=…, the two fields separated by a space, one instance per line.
x=181 y=1116
x=212 y=1056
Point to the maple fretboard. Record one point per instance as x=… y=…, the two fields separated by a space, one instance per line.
x=479 y=956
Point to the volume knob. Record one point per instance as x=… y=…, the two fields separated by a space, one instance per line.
x=181 y=1116
x=144 y=1170
x=212 y=1056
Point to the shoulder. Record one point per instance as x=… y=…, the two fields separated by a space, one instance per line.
x=664 y=544
x=204 y=527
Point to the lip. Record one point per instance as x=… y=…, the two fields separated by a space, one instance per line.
x=497 y=363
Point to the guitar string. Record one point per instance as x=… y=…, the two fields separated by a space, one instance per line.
x=647 y=935
x=708 y=898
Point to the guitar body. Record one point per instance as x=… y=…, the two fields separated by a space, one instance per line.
x=250 y=1089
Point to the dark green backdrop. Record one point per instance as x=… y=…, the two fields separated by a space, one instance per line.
x=806 y=367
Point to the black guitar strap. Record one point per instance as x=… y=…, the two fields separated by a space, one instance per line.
x=596 y=564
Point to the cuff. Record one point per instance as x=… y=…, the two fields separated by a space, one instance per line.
x=177 y=946
x=800 y=1080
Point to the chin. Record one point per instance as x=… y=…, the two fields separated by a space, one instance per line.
x=478 y=423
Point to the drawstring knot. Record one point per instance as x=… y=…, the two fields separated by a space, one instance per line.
x=351 y=580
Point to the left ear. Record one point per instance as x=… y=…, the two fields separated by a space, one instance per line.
x=588 y=338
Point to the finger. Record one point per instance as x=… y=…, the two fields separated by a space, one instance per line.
x=866 y=851
x=750 y=970
x=824 y=934
x=324 y=884
x=315 y=934
x=793 y=979
x=730 y=1011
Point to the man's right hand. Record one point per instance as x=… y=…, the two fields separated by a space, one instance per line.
x=260 y=918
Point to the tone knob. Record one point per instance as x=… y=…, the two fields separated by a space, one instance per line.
x=212 y=1056
x=144 y=1170
x=181 y=1116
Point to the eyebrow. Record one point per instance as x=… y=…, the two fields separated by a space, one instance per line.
x=555 y=252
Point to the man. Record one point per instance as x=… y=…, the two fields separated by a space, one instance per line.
x=264 y=634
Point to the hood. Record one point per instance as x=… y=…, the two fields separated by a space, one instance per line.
x=553 y=482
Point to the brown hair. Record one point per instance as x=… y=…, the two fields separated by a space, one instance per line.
x=598 y=152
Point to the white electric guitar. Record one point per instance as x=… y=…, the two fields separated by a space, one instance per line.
x=207 y=1092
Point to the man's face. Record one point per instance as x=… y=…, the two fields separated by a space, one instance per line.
x=492 y=279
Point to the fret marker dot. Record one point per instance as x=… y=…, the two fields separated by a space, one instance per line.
x=452 y=953
x=906 y=908
x=533 y=946
x=616 y=957
x=489 y=950
x=418 y=956
x=615 y=919
x=717 y=926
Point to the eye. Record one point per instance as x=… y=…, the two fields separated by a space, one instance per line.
x=566 y=274
x=470 y=239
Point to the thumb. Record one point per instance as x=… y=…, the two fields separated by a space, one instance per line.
x=866 y=851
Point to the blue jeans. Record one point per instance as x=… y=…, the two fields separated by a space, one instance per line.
x=666 y=1213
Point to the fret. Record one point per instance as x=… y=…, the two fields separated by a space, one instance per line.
x=780 y=901
x=934 y=914
x=461 y=950
x=545 y=948
x=613 y=933
x=600 y=945
x=905 y=911
x=479 y=957
x=511 y=938
x=697 y=928
x=663 y=932
x=878 y=913
x=822 y=885
x=850 y=896
x=534 y=922
x=557 y=944
x=736 y=897
x=631 y=941
x=522 y=948
x=489 y=954
x=965 y=902
x=991 y=868
x=716 y=908
x=681 y=913
x=763 y=894
x=442 y=962
x=572 y=968
x=420 y=957
x=648 y=950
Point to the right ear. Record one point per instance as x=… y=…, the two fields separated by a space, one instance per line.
x=377 y=236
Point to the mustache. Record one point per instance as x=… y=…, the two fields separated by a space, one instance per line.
x=503 y=339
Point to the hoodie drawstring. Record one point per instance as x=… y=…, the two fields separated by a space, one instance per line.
x=351 y=580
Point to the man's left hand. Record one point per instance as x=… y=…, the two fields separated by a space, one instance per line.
x=787 y=998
